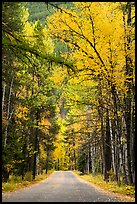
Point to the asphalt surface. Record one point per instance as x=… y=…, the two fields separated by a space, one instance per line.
x=61 y=186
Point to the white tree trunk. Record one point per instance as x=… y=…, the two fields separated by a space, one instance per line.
x=8 y=113
x=112 y=146
x=3 y=96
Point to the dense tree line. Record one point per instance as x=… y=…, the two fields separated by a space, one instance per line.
x=29 y=122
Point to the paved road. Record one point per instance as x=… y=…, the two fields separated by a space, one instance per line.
x=61 y=186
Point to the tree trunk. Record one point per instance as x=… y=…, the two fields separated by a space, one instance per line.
x=36 y=146
x=132 y=132
x=116 y=132
x=8 y=112
x=58 y=165
x=123 y=151
x=93 y=159
x=87 y=162
x=129 y=84
x=100 y=111
x=112 y=136
x=47 y=161
x=89 y=139
x=75 y=162
x=108 y=154
x=3 y=95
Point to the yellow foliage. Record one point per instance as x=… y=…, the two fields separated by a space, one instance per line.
x=21 y=112
x=45 y=122
x=93 y=24
x=58 y=76
x=42 y=152
x=28 y=32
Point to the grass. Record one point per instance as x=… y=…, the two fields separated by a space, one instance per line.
x=111 y=186
x=15 y=182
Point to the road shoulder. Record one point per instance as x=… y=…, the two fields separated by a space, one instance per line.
x=123 y=198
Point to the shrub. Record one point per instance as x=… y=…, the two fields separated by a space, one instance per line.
x=15 y=179
x=28 y=176
x=111 y=175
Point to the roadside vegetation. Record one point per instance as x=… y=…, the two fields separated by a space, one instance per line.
x=111 y=186
x=16 y=182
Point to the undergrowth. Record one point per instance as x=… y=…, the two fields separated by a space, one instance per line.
x=110 y=186
x=16 y=182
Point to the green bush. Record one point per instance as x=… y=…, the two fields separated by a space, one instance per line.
x=15 y=179
x=28 y=176
x=111 y=175
x=8 y=186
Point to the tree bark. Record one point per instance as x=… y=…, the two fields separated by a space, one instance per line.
x=47 y=161
x=3 y=95
x=100 y=111
x=108 y=153
x=36 y=145
x=8 y=112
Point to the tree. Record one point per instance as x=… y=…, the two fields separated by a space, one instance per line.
x=11 y=22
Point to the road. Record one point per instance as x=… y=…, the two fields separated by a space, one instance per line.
x=61 y=186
